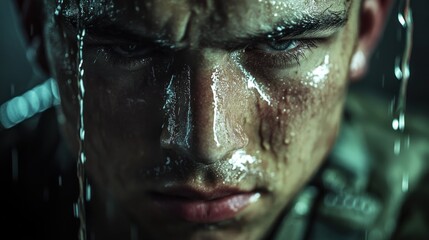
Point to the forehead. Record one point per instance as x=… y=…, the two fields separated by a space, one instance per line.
x=179 y=19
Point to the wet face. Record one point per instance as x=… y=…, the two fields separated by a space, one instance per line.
x=203 y=118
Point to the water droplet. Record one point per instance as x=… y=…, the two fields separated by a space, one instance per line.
x=318 y=76
x=75 y=210
x=408 y=141
x=59 y=7
x=401 y=19
x=398 y=71
x=395 y=124
x=287 y=141
x=405 y=182
x=397 y=147
x=88 y=192
x=266 y=146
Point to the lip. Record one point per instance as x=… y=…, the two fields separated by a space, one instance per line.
x=204 y=206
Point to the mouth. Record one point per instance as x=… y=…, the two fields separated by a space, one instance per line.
x=204 y=206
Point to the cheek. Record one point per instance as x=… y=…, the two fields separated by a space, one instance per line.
x=301 y=125
x=123 y=119
x=296 y=133
x=115 y=110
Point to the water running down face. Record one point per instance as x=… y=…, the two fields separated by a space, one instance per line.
x=223 y=111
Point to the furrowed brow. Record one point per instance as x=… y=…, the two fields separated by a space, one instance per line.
x=103 y=28
x=106 y=31
x=306 y=25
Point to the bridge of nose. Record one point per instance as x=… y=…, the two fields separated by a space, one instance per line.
x=209 y=107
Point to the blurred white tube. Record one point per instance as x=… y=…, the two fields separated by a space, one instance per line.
x=34 y=101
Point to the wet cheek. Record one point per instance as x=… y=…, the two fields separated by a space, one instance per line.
x=319 y=123
x=332 y=104
x=119 y=106
x=277 y=121
x=306 y=111
x=116 y=110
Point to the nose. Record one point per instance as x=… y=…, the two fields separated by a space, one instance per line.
x=203 y=110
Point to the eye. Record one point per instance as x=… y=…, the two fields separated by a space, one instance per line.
x=279 y=53
x=128 y=56
x=281 y=45
x=131 y=50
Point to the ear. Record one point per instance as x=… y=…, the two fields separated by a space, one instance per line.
x=373 y=15
x=30 y=12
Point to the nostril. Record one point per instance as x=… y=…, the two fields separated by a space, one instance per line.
x=201 y=150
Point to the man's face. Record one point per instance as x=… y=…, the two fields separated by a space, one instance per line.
x=204 y=118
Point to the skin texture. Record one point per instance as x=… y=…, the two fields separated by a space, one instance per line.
x=198 y=112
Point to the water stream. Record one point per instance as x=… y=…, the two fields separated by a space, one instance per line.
x=80 y=205
x=402 y=73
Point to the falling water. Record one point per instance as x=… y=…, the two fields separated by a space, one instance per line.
x=402 y=68
x=59 y=7
x=402 y=73
x=398 y=104
x=80 y=207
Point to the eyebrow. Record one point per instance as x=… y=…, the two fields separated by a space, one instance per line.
x=104 y=28
x=306 y=25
